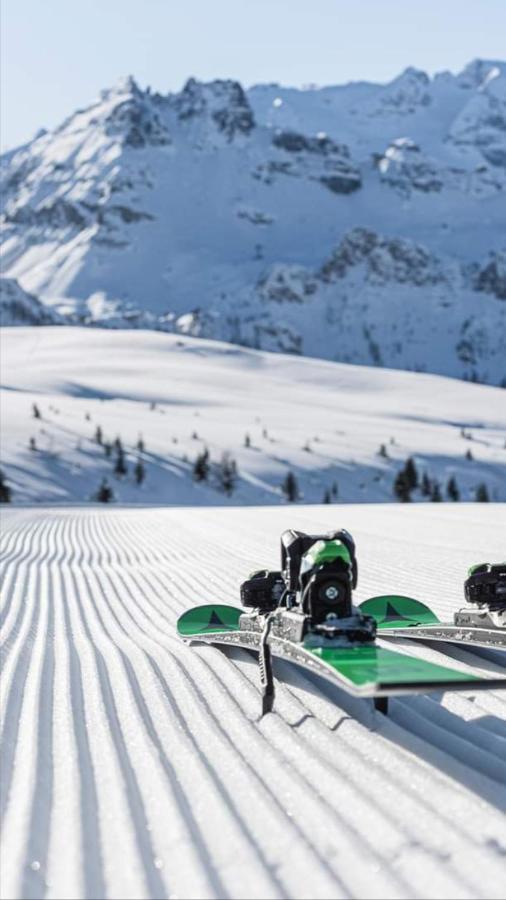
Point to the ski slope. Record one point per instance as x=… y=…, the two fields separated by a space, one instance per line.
x=134 y=766
x=322 y=420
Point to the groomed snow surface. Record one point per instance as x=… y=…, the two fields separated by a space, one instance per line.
x=134 y=766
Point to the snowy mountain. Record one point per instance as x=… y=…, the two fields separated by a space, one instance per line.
x=19 y=308
x=343 y=431
x=361 y=223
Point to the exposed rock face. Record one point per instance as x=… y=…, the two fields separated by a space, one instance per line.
x=286 y=284
x=17 y=307
x=404 y=95
x=316 y=158
x=223 y=102
x=492 y=277
x=138 y=123
x=383 y=260
x=408 y=169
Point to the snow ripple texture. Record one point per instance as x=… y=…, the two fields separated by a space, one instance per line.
x=134 y=766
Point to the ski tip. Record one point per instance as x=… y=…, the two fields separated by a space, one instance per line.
x=394 y=610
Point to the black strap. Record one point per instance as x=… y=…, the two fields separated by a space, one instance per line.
x=265 y=665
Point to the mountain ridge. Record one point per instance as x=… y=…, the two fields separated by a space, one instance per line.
x=175 y=211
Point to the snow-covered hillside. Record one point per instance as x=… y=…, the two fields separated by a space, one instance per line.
x=343 y=431
x=360 y=223
x=134 y=766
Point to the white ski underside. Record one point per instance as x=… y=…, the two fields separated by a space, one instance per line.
x=250 y=640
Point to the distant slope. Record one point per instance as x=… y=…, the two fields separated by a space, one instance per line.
x=360 y=223
x=135 y=766
x=272 y=413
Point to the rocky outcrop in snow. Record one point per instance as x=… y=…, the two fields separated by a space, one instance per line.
x=492 y=276
x=221 y=103
x=17 y=307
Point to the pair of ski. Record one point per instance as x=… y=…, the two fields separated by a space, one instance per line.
x=366 y=670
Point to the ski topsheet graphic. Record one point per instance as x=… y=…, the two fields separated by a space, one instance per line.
x=361 y=670
x=404 y=617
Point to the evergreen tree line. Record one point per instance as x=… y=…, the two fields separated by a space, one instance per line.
x=116 y=452
x=408 y=480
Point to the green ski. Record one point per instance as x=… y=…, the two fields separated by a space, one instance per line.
x=363 y=670
x=304 y=613
x=403 y=617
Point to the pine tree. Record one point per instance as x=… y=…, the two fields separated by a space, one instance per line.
x=402 y=489
x=195 y=436
x=118 y=446
x=139 y=471
x=383 y=451
x=36 y=411
x=5 y=491
x=411 y=473
x=435 y=494
x=201 y=466
x=482 y=495
x=452 y=490
x=335 y=490
x=32 y=444
x=469 y=454
x=307 y=447
x=99 y=435
x=105 y=493
x=326 y=497
x=107 y=449
x=227 y=473
x=140 y=444
x=426 y=486
x=290 y=488
x=120 y=466
x=247 y=440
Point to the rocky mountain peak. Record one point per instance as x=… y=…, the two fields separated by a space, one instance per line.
x=223 y=102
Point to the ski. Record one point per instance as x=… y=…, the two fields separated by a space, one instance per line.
x=366 y=670
x=304 y=614
x=397 y=616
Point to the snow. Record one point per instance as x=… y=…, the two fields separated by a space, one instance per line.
x=134 y=766
x=186 y=204
x=324 y=421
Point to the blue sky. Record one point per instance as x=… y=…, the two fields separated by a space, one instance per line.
x=57 y=54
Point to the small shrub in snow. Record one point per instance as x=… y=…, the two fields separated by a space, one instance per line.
x=99 y=435
x=5 y=490
x=402 y=488
x=201 y=466
x=482 y=495
x=32 y=444
x=426 y=485
x=139 y=472
x=435 y=494
x=290 y=488
x=36 y=411
x=105 y=493
x=452 y=490
x=120 y=466
x=227 y=473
